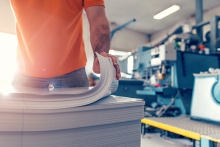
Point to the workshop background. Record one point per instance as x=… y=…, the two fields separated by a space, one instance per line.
x=151 y=70
x=145 y=31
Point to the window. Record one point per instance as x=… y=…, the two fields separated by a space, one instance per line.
x=130 y=65
x=8 y=45
x=127 y=59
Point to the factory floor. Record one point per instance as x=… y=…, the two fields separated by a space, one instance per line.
x=154 y=140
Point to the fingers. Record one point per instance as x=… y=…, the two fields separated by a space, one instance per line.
x=118 y=72
x=115 y=63
x=117 y=67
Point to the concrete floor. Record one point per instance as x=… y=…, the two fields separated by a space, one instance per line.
x=154 y=140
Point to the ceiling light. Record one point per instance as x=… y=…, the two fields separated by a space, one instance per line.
x=167 y=12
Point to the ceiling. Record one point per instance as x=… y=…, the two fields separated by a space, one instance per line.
x=121 y=11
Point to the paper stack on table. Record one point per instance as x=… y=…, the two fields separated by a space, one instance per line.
x=70 y=118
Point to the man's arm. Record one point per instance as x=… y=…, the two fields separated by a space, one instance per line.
x=100 y=36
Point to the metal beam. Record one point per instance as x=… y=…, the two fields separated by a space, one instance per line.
x=199 y=18
x=202 y=24
x=121 y=27
x=214 y=34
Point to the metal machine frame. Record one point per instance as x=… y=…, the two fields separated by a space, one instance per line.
x=214 y=33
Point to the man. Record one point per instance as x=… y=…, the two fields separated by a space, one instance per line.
x=50 y=45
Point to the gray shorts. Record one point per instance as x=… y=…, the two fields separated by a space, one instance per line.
x=77 y=78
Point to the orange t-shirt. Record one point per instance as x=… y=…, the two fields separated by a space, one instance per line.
x=50 y=40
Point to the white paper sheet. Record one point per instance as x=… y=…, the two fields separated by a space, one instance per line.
x=62 y=98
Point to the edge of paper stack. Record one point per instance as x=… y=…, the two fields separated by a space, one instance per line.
x=71 y=118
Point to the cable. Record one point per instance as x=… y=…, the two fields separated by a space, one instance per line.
x=164 y=108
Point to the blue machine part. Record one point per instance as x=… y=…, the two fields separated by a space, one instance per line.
x=178 y=102
x=204 y=142
x=189 y=63
x=128 y=88
x=186 y=65
x=143 y=58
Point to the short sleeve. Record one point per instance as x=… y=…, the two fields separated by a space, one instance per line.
x=89 y=3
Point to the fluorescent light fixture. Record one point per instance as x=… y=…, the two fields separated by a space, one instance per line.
x=167 y=12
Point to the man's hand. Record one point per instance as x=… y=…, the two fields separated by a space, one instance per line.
x=96 y=65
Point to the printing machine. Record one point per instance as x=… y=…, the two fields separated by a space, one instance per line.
x=166 y=69
x=169 y=73
x=179 y=75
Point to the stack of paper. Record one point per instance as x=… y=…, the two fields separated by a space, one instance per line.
x=70 y=117
x=112 y=121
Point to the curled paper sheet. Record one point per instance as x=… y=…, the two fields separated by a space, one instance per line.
x=29 y=98
x=70 y=117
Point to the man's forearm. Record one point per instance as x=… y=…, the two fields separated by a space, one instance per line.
x=100 y=38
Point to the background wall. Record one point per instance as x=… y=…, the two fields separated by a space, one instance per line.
x=7 y=22
x=126 y=39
